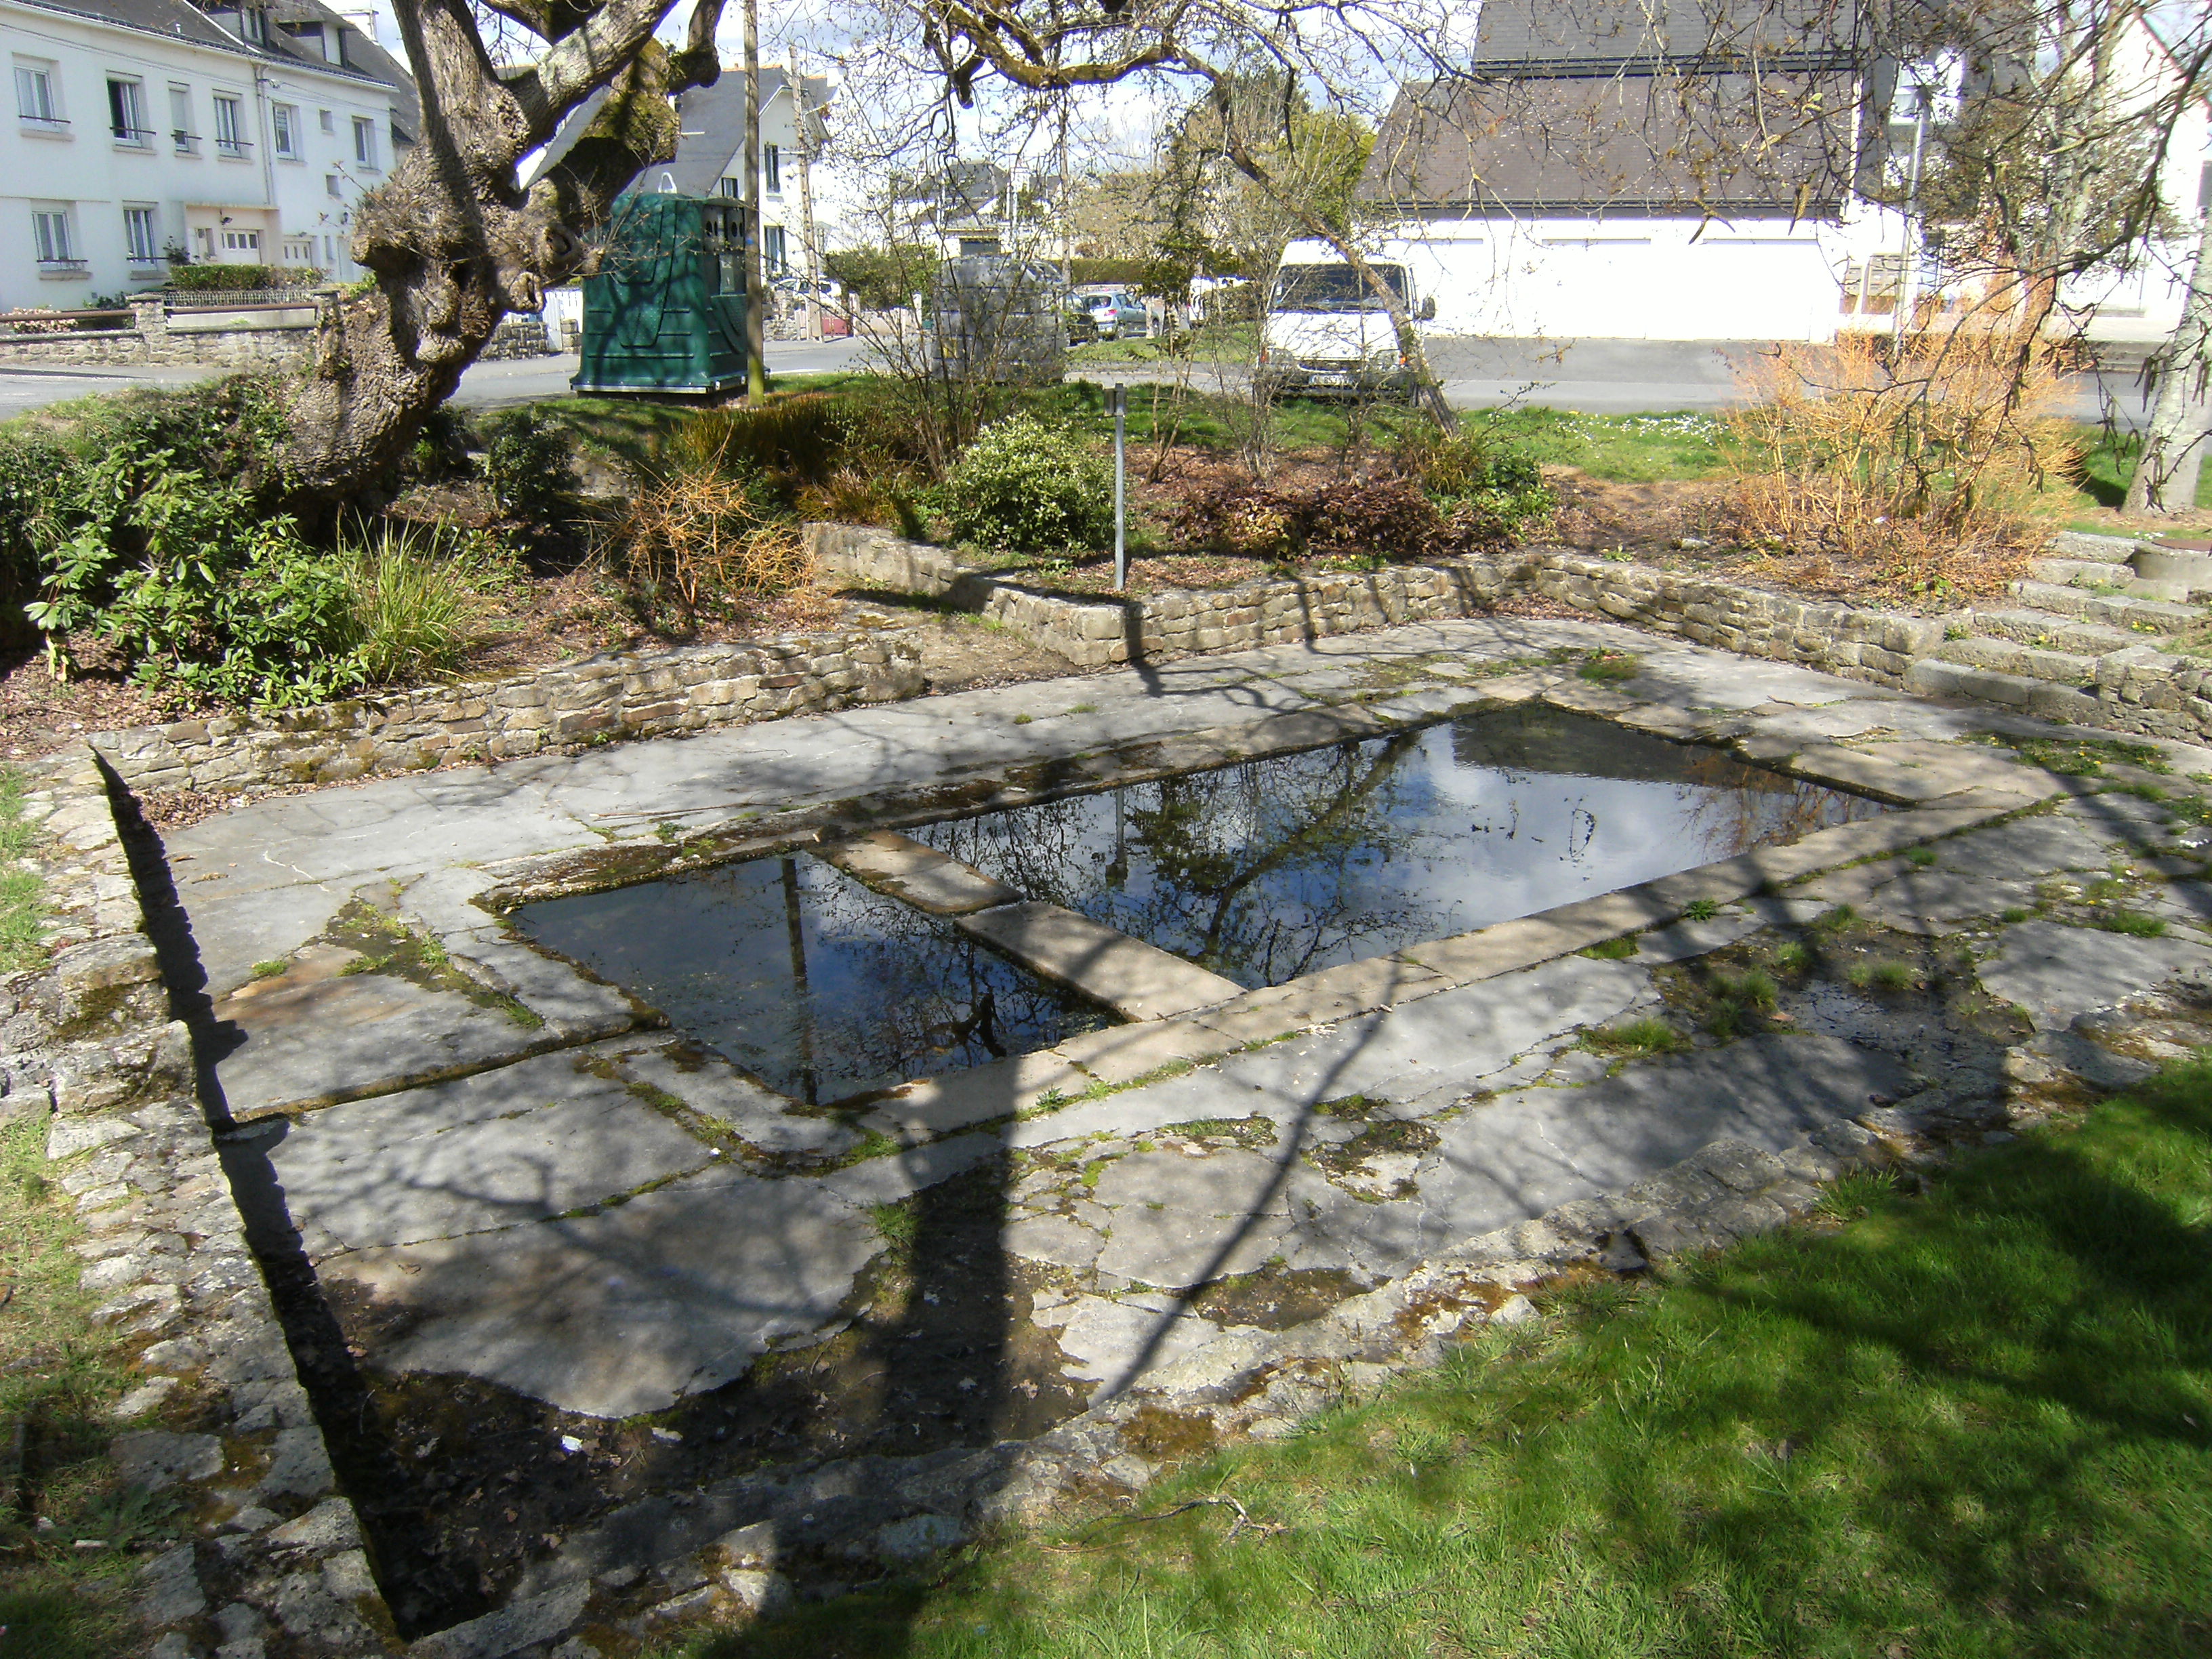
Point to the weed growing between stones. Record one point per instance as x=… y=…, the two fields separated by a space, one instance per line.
x=1613 y=950
x=2134 y=923
x=1610 y=667
x=2079 y=758
x=1806 y=1444
x=1648 y=1036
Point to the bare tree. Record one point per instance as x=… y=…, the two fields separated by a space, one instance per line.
x=2165 y=477
x=452 y=240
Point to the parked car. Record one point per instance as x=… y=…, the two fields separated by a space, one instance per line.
x=1325 y=333
x=827 y=291
x=1117 y=314
x=1082 y=327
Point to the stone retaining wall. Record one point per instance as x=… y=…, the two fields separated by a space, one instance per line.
x=1095 y=633
x=2142 y=691
x=621 y=695
x=219 y=1420
x=276 y=339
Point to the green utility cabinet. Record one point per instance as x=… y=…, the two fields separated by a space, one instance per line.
x=666 y=311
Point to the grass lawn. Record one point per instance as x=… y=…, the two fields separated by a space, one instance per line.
x=1970 y=1421
x=2108 y=462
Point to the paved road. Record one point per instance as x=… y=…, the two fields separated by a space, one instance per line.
x=487 y=386
x=1603 y=377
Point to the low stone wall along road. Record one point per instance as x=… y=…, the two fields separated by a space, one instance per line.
x=607 y=1337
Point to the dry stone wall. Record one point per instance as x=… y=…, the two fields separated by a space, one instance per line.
x=273 y=1557
x=2142 y=691
x=270 y=340
x=621 y=695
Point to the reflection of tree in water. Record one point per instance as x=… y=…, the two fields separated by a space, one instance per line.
x=1256 y=871
x=906 y=996
x=1738 y=807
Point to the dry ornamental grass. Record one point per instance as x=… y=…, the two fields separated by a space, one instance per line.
x=1920 y=469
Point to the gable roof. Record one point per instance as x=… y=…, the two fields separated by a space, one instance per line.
x=1589 y=37
x=1585 y=145
x=712 y=122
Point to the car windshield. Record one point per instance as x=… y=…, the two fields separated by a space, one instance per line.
x=1333 y=287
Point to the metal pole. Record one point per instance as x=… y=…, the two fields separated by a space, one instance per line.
x=1121 y=397
x=756 y=326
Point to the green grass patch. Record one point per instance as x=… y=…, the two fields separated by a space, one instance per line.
x=2108 y=463
x=1608 y=667
x=1972 y=1421
x=1648 y=1036
x=2134 y=923
x=22 y=893
x=1920 y=856
x=1613 y=950
x=1700 y=910
x=60 y=1376
x=2082 y=757
x=1623 y=448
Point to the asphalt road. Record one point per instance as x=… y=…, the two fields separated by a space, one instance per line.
x=1599 y=377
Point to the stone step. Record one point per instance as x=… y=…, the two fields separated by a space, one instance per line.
x=1932 y=677
x=2144 y=616
x=2028 y=661
x=2051 y=631
x=2082 y=573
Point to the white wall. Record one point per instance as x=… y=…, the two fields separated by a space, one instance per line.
x=194 y=188
x=1637 y=279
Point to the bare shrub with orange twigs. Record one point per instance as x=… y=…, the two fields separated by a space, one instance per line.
x=697 y=543
x=1915 y=469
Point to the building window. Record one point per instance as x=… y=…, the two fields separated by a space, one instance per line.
x=138 y=235
x=2204 y=192
x=284 y=129
x=772 y=169
x=329 y=124
x=331 y=252
x=299 y=250
x=229 y=130
x=733 y=188
x=253 y=25
x=50 y=234
x=364 y=141
x=34 y=96
x=772 y=249
x=330 y=183
x=180 y=121
x=247 y=242
x=126 y=115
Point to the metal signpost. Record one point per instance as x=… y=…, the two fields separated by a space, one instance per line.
x=1118 y=398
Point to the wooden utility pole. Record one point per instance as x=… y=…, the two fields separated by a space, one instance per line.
x=755 y=290
x=806 y=196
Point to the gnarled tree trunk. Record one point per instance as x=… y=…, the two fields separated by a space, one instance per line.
x=2173 y=446
x=453 y=241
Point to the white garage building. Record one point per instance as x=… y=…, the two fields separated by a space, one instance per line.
x=1610 y=169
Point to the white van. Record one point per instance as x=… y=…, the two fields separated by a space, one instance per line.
x=1325 y=334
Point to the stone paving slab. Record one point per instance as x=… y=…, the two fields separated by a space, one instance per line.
x=2059 y=973
x=626 y=1312
x=1135 y=980
x=518 y=1144
x=338 y=1038
x=925 y=878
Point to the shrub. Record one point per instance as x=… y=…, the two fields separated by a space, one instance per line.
x=417 y=600
x=235 y=279
x=1027 y=488
x=1486 y=491
x=1385 y=518
x=528 y=465
x=694 y=540
x=38 y=479
x=1919 y=466
x=800 y=438
x=1248 y=519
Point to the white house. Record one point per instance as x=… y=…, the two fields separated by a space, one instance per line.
x=147 y=130
x=710 y=154
x=1608 y=169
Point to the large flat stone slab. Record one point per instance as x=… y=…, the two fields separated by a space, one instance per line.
x=925 y=878
x=2059 y=973
x=629 y=1310
x=1136 y=979
x=517 y=1143
x=324 y=1037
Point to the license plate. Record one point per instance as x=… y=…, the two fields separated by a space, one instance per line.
x=1329 y=380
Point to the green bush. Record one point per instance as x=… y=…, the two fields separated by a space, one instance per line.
x=1486 y=490
x=233 y=279
x=528 y=465
x=1026 y=488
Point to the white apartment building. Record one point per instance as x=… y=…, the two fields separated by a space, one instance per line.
x=145 y=130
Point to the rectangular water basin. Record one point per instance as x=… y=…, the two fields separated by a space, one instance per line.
x=801 y=975
x=1271 y=869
